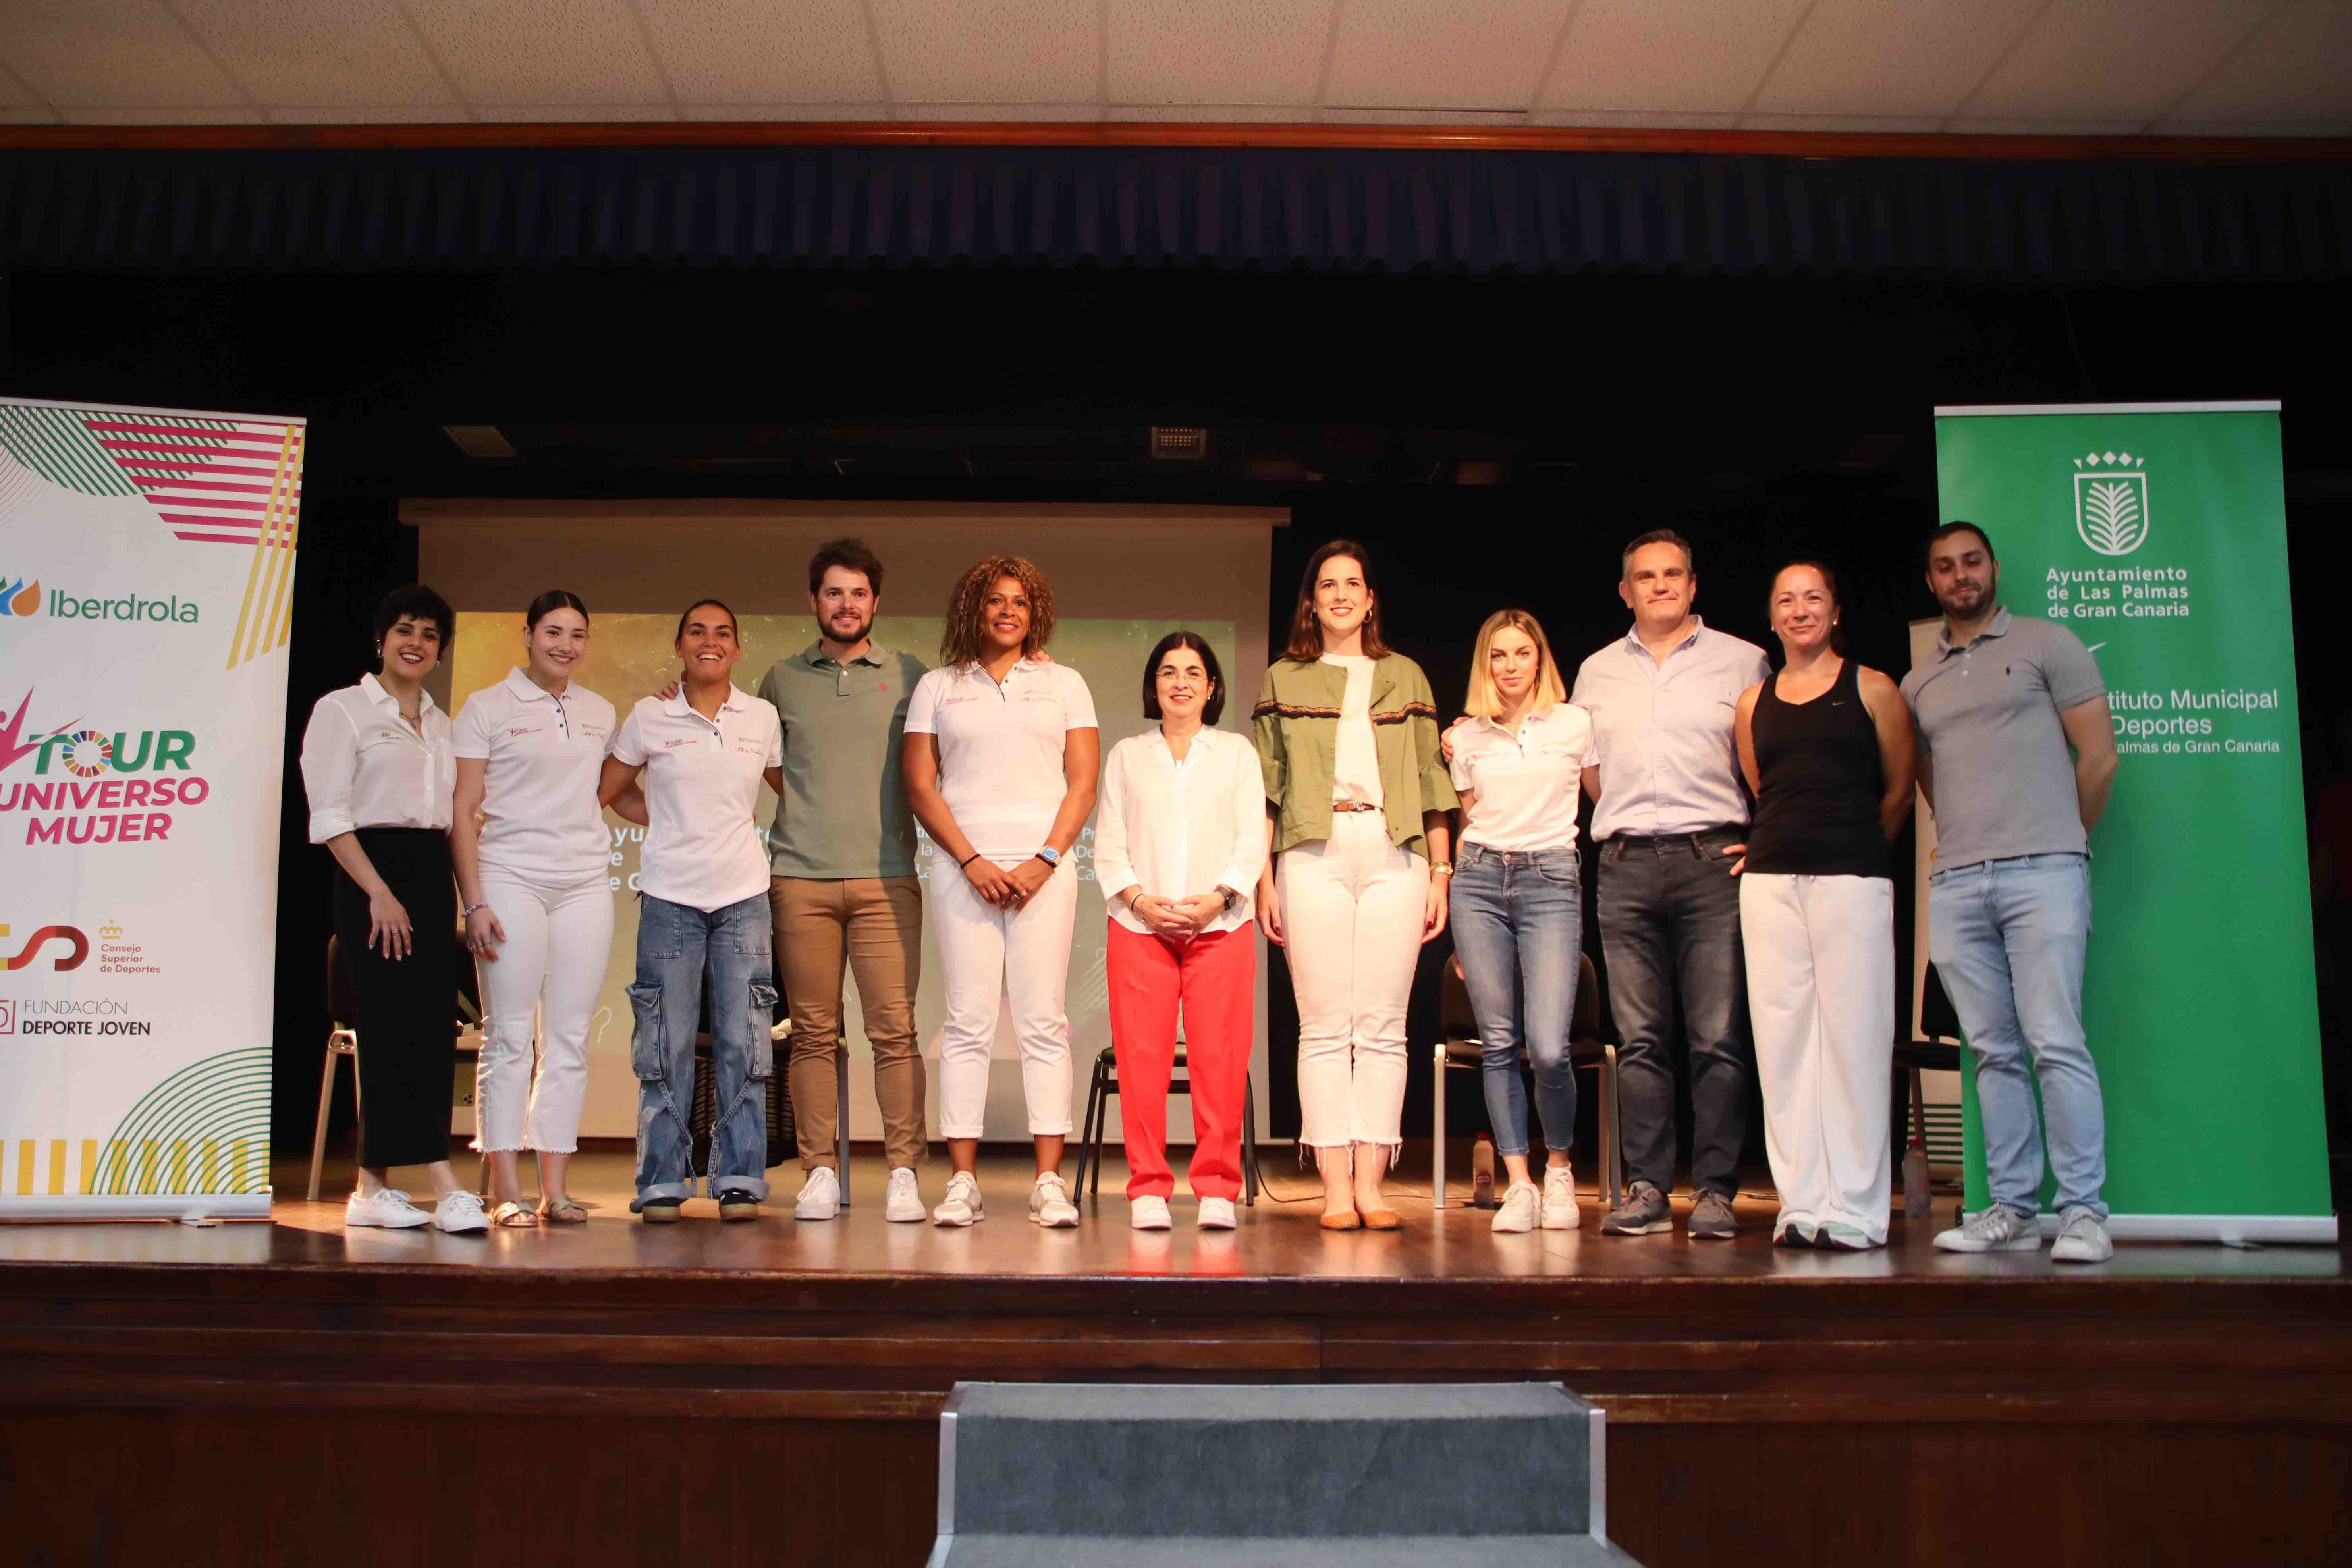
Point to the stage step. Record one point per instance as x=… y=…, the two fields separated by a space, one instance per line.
x=1155 y=1475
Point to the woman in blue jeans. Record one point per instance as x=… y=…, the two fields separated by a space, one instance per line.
x=1518 y=760
x=689 y=767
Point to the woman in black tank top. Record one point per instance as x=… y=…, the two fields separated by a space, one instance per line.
x=1827 y=747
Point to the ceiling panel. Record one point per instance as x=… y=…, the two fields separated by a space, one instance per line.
x=1042 y=112
x=2298 y=68
x=1987 y=126
x=757 y=111
x=566 y=113
x=1904 y=58
x=319 y=51
x=2114 y=60
x=1699 y=57
x=1211 y=113
x=1217 y=51
x=1441 y=54
x=118 y=53
x=1865 y=124
x=756 y=51
x=164 y=114
x=530 y=52
x=1633 y=119
x=990 y=51
x=27 y=114
x=368 y=113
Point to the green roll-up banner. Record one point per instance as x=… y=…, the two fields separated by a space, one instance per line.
x=2158 y=532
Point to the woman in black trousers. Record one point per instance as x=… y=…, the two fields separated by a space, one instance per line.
x=378 y=767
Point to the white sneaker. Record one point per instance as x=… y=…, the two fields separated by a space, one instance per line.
x=1560 y=1209
x=1216 y=1214
x=1997 y=1229
x=903 y=1203
x=460 y=1213
x=1143 y=1213
x=1519 y=1210
x=819 y=1196
x=2082 y=1239
x=1050 y=1204
x=961 y=1206
x=390 y=1209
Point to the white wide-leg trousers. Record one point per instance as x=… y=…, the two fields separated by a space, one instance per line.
x=989 y=956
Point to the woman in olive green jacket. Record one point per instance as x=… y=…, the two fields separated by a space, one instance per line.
x=1358 y=797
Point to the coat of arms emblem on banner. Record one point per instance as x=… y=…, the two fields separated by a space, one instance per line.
x=2111 y=501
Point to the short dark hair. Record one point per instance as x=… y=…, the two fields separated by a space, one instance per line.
x=1960 y=525
x=547 y=604
x=849 y=554
x=1211 y=710
x=1306 y=644
x=416 y=602
x=732 y=623
x=1657 y=536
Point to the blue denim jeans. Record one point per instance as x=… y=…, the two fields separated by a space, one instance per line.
x=1518 y=928
x=675 y=942
x=2008 y=938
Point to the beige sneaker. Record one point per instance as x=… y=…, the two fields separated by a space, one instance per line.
x=1518 y=1211
x=1560 y=1209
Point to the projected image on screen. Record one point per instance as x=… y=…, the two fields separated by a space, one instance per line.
x=630 y=657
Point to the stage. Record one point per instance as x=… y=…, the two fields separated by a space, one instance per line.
x=769 y=1393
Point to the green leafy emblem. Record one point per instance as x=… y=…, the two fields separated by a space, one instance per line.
x=2111 y=515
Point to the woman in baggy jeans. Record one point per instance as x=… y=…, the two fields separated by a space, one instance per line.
x=1519 y=761
x=689 y=768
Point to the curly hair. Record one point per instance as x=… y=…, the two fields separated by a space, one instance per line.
x=965 y=640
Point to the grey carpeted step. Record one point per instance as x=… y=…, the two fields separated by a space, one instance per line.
x=1319 y=1552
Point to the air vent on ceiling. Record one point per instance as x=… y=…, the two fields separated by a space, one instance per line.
x=1181 y=443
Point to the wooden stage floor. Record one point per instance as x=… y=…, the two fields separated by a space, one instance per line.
x=769 y=1393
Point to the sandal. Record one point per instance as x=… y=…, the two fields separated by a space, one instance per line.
x=562 y=1210
x=511 y=1215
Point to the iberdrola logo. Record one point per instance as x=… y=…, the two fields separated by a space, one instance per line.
x=20 y=597
x=2111 y=501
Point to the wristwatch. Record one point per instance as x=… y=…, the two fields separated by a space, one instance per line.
x=1051 y=855
x=1227 y=894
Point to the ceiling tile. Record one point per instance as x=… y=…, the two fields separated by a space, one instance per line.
x=1217 y=51
x=756 y=51
x=319 y=51
x=15 y=93
x=1213 y=113
x=2252 y=128
x=1696 y=56
x=760 y=112
x=368 y=114
x=28 y=115
x=1990 y=125
x=1633 y=119
x=1351 y=116
x=1056 y=112
x=2298 y=68
x=1863 y=125
x=990 y=51
x=1892 y=56
x=2112 y=60
x=574 y=113
x=161 y=114
x=538 y=52
x=1440 y=54
x=120 y=53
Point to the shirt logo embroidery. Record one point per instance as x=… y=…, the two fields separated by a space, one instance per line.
x=681 y=740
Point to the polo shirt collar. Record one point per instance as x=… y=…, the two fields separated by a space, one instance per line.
x=1993 y=628
x=1634 y=637
x=526 y=688
x=376 y=694
x=815 y=656
x=678 y=707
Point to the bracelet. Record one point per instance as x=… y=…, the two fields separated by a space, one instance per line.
x=968 y=859
x=470 y=910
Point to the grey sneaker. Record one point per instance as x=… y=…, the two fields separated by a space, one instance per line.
x=1998 y=1229
x=1644 y=1212
x=1710 y=1217
x=2081 y=1238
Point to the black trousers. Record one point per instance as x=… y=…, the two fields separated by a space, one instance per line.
x=406 y=1008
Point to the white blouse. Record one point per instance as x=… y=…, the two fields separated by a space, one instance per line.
x=1178 y=829
x=362 y=766
x=544 y=754
x=1355 y=755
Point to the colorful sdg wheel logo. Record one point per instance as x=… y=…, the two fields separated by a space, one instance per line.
x=88 y=752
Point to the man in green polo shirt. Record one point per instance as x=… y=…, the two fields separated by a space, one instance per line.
x=844 y=889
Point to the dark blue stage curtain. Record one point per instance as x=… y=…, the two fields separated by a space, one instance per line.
x=1270 y=208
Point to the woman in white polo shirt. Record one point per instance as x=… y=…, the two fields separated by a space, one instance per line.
x=533 y=867
x=1519 y=759
x=688 y=767
x=1001 y=756
x=377 y=768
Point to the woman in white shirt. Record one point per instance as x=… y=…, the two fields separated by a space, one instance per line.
x=534 y=869
x=689 y=768
x=1519 y=760
x=1180 y=835
x=1001 y=757
x=377 y=769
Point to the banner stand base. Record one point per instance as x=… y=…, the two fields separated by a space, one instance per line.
x=201 y=1206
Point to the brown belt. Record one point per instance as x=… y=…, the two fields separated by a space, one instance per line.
x=1353 y=805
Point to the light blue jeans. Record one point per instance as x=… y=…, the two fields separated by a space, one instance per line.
x=2008 y=938
x=675 y=942
x=1518 y=928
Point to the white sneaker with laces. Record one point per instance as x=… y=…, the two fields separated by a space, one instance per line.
x=1217 y=1214
x=460 y=1213
x=961 y=1206
x=1518 y=1211
x=1050 y=1204
x=2082 y=1239
x=903 y=1203
x=1998 y=1229
x=384 y=1208
x=820 y=1195
x=1143 y=1213
x=1561 y=1210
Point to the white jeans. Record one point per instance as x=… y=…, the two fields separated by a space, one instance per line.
x=559 y=940
x=1820 y=997
x=1352 y=906
x=990 y=955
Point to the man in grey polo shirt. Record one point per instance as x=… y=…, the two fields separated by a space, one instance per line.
x=2016 y=756
x=844 y=890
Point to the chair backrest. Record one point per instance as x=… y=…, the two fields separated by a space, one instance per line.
x=1457 y=1021
x=341 y=1003
x=1586 y=1024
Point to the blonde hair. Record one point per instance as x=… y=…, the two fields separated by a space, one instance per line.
x=1485 y=702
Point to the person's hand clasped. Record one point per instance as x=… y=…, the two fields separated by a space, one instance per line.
x=990 y=881
x=1025 y=880
x=1165 y=917
x=388 y=925
x=484 y=933
x=1198 y=911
